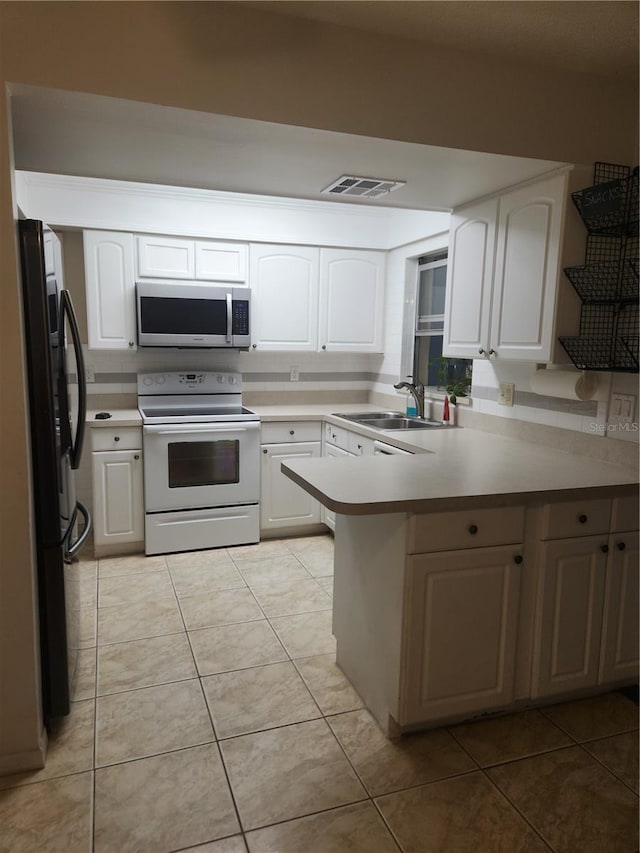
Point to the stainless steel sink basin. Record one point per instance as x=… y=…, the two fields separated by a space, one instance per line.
x=390 y=420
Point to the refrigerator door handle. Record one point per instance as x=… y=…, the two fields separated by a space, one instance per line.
x=67 y=310
x=70 y=550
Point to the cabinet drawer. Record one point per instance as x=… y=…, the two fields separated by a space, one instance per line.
x=359 y=445
x=452 y=531
x=576 y=518
x=625 y=513
x=127 y=438
x=275 y=433
x=337 y=436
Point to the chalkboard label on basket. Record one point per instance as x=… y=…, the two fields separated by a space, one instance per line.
x=604 y=199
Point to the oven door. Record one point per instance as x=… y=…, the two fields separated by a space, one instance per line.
x=190 y=466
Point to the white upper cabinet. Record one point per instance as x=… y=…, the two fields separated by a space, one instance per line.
x=351 y=300
x=505 y=275
x=217 y=261
x=469 y=280
x=208 y=260
x=284 y=285
x=164 y=257
x=110 y=286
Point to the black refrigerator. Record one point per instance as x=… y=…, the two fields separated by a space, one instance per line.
x=57 y=410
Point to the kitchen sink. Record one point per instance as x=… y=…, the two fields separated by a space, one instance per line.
x=390 y=420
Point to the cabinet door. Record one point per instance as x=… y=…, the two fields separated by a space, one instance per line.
x=351 y=300
x=619 y=658
x=460 y=643
x=527 y=270
x=282 y=502
x=328 y=516
x=166 y=257
x=110 y=283
x=117 y=497
x=469 y=281
x=217 y=261
x=284 y=285
x=569 y=615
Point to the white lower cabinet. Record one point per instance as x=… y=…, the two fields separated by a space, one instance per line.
x=620 y=630
x=118 y=503
x=461 y=631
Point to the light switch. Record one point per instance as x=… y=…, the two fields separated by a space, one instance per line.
x=622 y=408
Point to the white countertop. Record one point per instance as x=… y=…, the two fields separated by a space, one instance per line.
x=119 y=418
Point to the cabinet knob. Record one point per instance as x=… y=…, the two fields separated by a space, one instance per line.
x=582 y=519
x=137 y=456
x=254 y=346
x=481 y=351
x=292 y=432
x=131 y=344
x=604 y=549
x=265 y=450
x=324 y=346
x=359 y=447
x=621 y=546
x=492 y=352
x=473 y=529
x=116 y=438
x=517 y=559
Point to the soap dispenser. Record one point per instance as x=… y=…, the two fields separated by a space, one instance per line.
x=446 y=417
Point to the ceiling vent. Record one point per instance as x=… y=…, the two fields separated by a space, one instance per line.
x=362 y=187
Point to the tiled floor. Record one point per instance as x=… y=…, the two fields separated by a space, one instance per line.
x=210 y=716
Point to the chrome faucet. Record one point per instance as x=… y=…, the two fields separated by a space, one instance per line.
x=417 y=392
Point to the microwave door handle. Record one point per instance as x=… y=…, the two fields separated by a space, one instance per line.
x=229 y=317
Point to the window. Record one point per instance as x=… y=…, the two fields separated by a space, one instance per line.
x=422 y=359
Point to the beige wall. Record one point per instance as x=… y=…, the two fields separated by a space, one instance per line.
x=228 y=58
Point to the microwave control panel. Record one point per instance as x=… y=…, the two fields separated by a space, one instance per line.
x=240 y=323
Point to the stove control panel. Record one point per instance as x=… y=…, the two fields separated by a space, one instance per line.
x=192 y=382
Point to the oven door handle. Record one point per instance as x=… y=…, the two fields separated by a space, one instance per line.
x=229 y=317
x=219 y=427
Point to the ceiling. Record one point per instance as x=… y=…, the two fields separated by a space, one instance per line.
x=593 y=36
x=80 y=134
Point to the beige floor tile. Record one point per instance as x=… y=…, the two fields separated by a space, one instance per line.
x=620 y=754
x=236 y=646
x=350 y=829
x=201 y=580
x=130 y=564
x=131 y=589
x=288 y=772
x=596 y=717
x=315 y=553
x=250 y=700
x=328 y=684
x=143 y=663
x=88 y=592
x=306 y=634
x=69 y=750
x=572 y=801
x=83 y=682
x=503 y=739
x=386 y=765
x=87 y=621
x=49 y=817
x=151 y=721
x=285 y=598
x=163 y=803
x=272 y=569
x=261 y=550
x=137 y=621
x=191 y=559
x=327 y=584
x=234 y=844
x=461 y=815
x=223 y=607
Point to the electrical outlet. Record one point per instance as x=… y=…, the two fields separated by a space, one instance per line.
x=89 y=374
x=294 y=374
x=506 y=392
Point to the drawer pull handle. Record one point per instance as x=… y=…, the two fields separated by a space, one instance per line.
x=137 y=456
x=359 y=447
x=324 y=346
x=116 y=438
x=492 y=352
x=481 y=351
x=131 y=344
x=621 y=546
x=292 y=432
x=265 y=450
x=517 y=559
x=604 y=549
x=254 y=346
x=473 y=529
x=582 y=519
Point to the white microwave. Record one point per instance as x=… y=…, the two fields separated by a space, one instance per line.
x=190 y=314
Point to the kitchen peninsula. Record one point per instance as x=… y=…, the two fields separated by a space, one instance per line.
x=480 y=575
